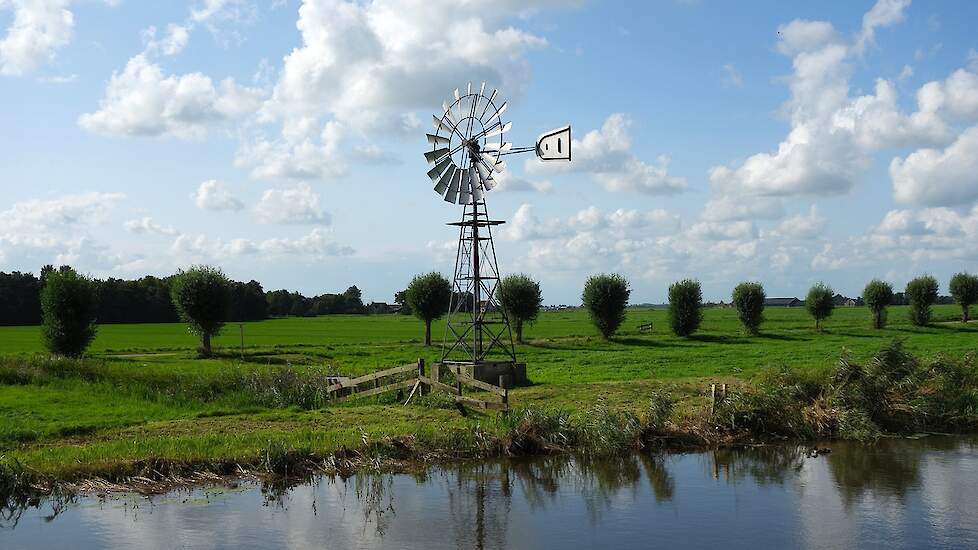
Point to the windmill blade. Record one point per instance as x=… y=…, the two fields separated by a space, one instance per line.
x=469 y=89
x=500 y=110
x=500 y=130
x=448 y=113
x=456 y=94
x=452 y=194
x=476 y=185
x=491 y=160
x=443 y=181
x=485 y=172
x=440 y=124
x=506 y=146
x=489 y=183
x=488 y=103
x=432 y=156
x=482 y=90
x=440 y=168
x=465 y=188
x=437 y=140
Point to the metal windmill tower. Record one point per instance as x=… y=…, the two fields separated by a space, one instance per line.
x=466 y=151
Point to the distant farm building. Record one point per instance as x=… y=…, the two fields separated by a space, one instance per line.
x=383 y=307
x=783 y=302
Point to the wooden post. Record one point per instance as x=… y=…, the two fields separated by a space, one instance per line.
x=421 y=375
x=505 y=394
x=436 y=371
x=241 y=330
x=713 y=399
x=458 y=380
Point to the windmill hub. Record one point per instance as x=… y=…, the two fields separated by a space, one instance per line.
x=466 y=152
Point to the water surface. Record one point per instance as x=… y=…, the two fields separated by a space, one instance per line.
x=894 y=494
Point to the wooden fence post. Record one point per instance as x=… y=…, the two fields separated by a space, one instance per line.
x=505 y=394
x=421 y=375
x=713 y=399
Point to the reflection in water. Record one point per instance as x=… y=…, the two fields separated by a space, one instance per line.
x=898 y=493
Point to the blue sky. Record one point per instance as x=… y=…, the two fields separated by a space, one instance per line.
x=282 y=140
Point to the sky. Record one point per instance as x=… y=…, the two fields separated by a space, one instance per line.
x=283 y=140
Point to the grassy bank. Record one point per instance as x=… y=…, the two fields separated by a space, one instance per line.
x=142 y=408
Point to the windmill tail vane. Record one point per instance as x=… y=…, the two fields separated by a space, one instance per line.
x=466 y=153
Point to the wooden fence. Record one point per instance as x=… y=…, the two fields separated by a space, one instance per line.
x=375 y=384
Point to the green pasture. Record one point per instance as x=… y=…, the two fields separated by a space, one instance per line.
x=143 y=394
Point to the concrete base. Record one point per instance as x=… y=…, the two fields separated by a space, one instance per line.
x=498 y=373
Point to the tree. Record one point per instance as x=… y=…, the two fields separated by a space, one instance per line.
x=68 y=308
x=202 y=297
x=685 y=307
x=748 y=297
x=819 y=303
x=921 y=294
x=605 y=297
x=964 y=289
x=520 y=296
x=878 y=295
x=428 y=296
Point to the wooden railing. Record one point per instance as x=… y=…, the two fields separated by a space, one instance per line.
x=373 y=384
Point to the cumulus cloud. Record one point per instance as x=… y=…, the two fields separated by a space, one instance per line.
x=803 y=226
x=368 y=67
x=619 y=223
x=40 y=231
x=147 y=225
x=314 y=245
x=214 y=195
x=934 y=177
x=606 y=154
x=298 y=205
x=833 y=135
x=38 y=30
x=142 y=100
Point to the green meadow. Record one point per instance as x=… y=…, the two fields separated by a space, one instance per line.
x=143 y=395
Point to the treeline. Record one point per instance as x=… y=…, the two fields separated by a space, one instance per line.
x=147 y=300
x=282 y=303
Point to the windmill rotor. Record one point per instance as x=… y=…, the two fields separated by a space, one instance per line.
x=465 y=156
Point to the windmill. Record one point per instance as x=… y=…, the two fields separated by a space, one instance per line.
x=466 y=153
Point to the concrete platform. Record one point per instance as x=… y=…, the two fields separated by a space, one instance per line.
x=498 y=373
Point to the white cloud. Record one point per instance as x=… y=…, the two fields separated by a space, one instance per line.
x=833 y=136
x=368 y=67
x=606 y=154
x=39 y=29
x=298 y=205
x=731 y=77
x=143 y=101
x=722 y=208
x=314 y=245
x=302 y=155
x=172 y=43
x=620 y=224
x=939 y=178
x=214 y=195
x=805 y=227
x=147 y=225
x=506 y=181
x=883 y=14
x=39 y=231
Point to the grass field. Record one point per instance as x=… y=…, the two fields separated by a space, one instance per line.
x=143 y=395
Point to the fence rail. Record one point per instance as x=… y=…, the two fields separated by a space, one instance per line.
x=420 y=383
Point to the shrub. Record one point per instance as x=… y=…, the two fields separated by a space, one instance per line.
x=877 y=295
x=819 y=303
x=921 y=294
x=68 y=306
x=521 y=298
x=605 y=297
x=964 y=290
x=685 y=307
x=748 y=298
x=202 y=297
x=429 y=297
